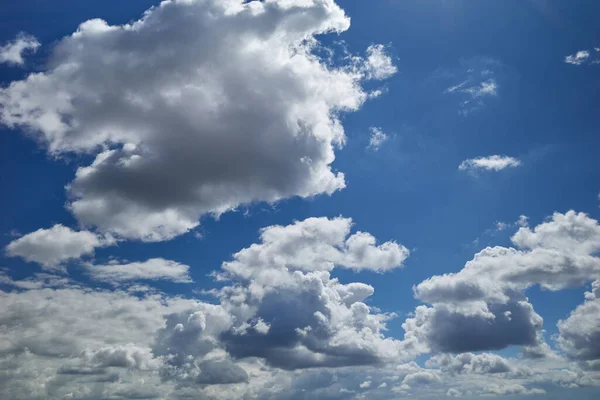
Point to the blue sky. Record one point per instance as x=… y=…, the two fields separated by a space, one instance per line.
x=471 y=80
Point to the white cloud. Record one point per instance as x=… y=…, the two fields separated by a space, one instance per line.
x=421 y=378
x=50 y=247
x=12 y=52
x=153 y=269
x=77 y=342
x=365 y=385
x=591 y=56
x=490 y=163
x=469 y=363
x=579 y=334
x=184 y=107
x=476 y=81
x=377 y=138
x=314 y=244
x=483 y=307
x=378 y=64
x=578 y=58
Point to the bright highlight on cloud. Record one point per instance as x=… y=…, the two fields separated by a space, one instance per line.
x=490 y=163
x=12 y=53
x=184 y=116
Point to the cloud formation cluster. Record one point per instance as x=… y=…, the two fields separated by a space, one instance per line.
x=484 y=307
x=282 y=327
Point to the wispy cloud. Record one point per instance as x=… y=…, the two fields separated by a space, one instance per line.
x=12 y=52
x=584 y=57
x=378 y=137
x=490 y=163
x=474 y=83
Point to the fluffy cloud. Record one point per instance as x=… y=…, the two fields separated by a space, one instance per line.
x=80 y=343
x=483 y=307
x=12 y=52
x=578 y=58
x=470 y=363
x=579 y=334
x=153 y=269
x=184 y=107
x=491 y=163
x=74 y=340
x=279 y=310
x=377 y=138
x=315 y=244
x=50 y=247
x=378 y=64
x=313 y=320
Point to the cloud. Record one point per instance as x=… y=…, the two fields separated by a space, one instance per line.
x=474 y=82
x=512 y=389
x=578 y=58
x=313 y=320
x=490 y=163
x=12 y=52
x=378 y=137
x=50 y=247
x=469 y=363
x=421 y=378
x=584 y=57
x=314 y=244
x=182 y=110
x=365 y=385
x=483 y=307
x=84 y=343
x=378 y=64
x=153 y=269
x=579 y=334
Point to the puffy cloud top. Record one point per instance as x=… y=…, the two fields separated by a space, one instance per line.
x=50 y=247
x=203 y=105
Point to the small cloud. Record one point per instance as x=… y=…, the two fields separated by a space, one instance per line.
x=379 y=64
x=500 y=226
x=523 y=221
x=12 y=52
x=365 y=385
x=491 y=163
x=53 y=246
x=477 y=81
x=584 y=57
x=378 y=137
x=578 y=58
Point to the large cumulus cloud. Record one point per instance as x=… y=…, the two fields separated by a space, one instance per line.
x=195 y=108
x=288 y=310
x=483 y=306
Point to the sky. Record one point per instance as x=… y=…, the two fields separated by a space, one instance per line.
x=311 y=199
